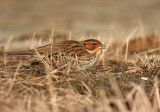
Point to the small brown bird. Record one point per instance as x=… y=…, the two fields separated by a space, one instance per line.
x=81 y=54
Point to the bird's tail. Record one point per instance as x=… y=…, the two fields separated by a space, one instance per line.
x=19 y=53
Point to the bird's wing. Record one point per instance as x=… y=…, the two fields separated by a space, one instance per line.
x=68 y=47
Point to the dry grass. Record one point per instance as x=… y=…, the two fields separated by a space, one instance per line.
x=122 y=81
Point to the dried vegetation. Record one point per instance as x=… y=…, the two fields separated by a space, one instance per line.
x=125 y=78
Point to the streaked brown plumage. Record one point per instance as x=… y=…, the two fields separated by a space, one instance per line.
x=83 y=53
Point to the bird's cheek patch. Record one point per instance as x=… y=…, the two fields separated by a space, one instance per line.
x=90 y=47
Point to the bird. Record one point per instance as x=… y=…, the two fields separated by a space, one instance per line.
x=80 y=54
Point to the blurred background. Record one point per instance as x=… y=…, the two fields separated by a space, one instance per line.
x=25 y=16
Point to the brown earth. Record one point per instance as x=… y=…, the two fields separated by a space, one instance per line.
x=109 y=16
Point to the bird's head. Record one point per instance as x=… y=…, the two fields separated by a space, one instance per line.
x=93 y=45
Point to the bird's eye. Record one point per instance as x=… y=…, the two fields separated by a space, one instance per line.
x=93 y=44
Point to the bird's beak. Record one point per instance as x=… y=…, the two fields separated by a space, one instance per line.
x=102 y=46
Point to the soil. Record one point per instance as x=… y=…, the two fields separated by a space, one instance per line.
x=111 y=16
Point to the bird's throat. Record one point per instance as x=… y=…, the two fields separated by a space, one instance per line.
x=93 y=51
